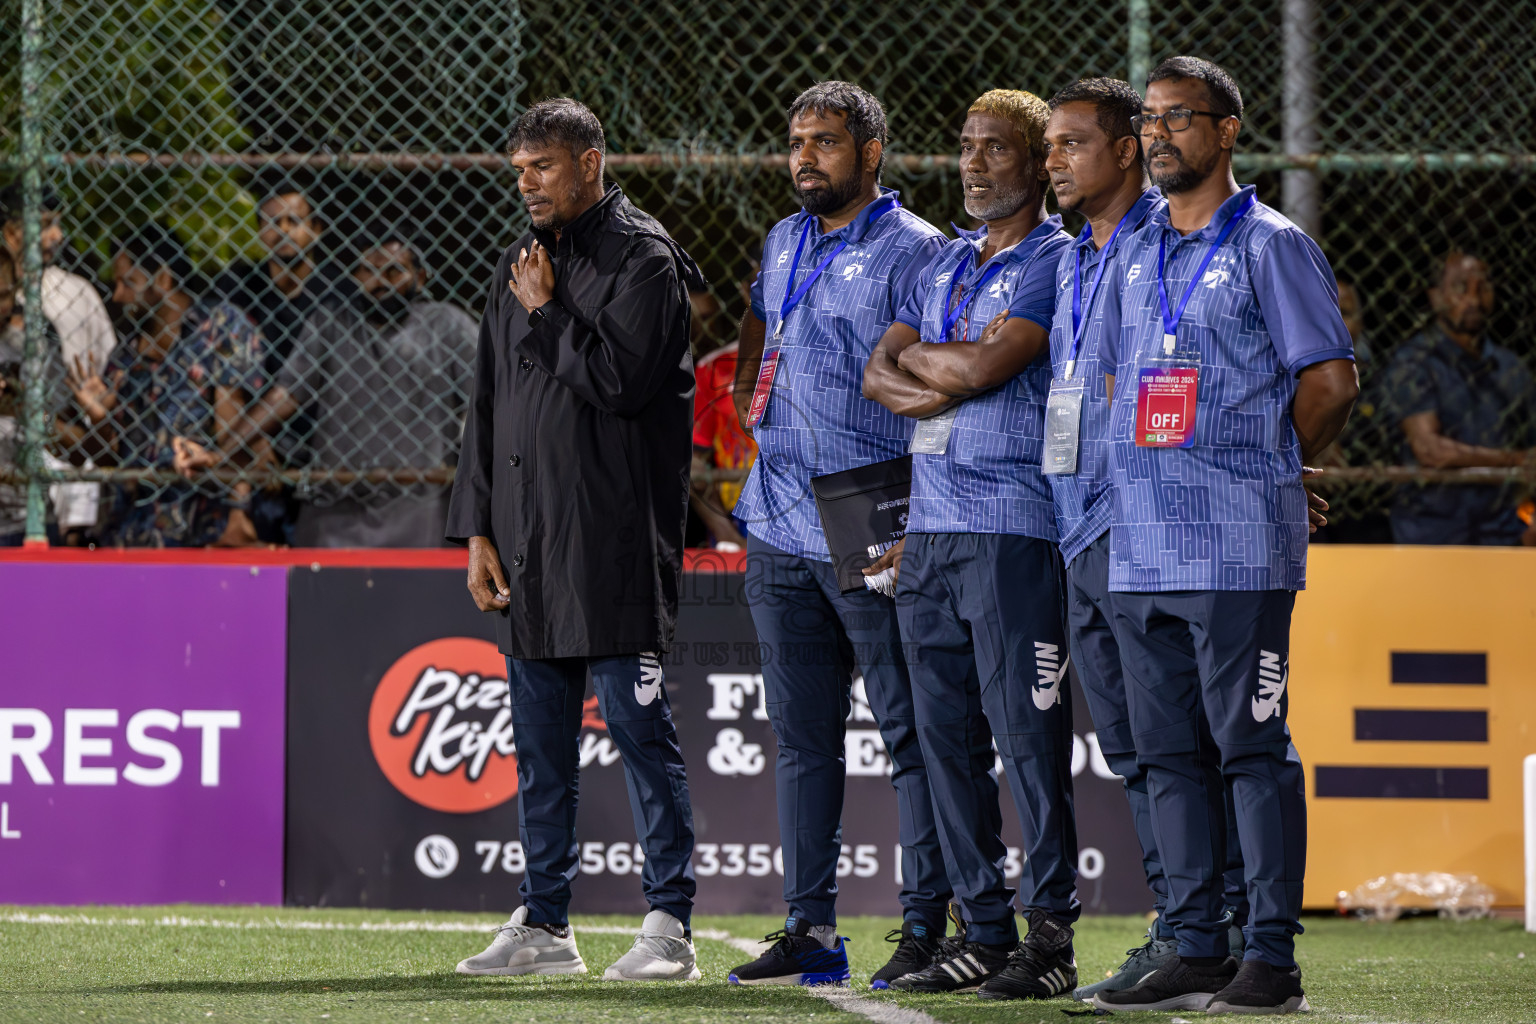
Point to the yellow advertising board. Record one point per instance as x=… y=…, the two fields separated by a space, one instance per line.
x=1413 y=703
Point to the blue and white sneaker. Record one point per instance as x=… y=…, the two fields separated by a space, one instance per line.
x=797 y=957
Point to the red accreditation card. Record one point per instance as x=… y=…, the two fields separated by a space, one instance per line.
x=764 y=385
x=1165 y=406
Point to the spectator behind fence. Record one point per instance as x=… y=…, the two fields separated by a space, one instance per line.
x=81 y=328
x=13 y=495
x=1461 y=401
x=177 y=383
x=280 y=293
x=70 y=302
x=1370 y=438
x=719 y=442
x=1366 y=362
x=385 y=378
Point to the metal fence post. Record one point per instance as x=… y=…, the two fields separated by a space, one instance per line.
x=1298 y=188
x=34 y=355
x=1138 y=15
x=515 y=80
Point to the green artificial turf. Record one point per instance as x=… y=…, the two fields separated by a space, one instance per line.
x=1411 y=971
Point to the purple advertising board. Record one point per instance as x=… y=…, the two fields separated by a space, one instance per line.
x=141 y=733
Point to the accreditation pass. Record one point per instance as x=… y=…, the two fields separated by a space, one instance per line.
x=1063 y=419
x=1165 y=406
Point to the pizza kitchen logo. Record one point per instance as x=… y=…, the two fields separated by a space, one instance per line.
x=440 y=726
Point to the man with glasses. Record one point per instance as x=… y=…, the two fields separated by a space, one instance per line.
x=1095 y=163
x=1233 y=366
x=979 y=588
x=834 y=274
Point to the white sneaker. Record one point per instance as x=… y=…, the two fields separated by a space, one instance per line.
x=660 y=953
x=521 y=948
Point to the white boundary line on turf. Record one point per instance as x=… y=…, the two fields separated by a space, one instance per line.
x=843 y=999
x=873 y=1009
x=876 y=1010
x=280 y=924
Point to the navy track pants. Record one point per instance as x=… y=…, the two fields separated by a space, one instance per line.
x=1224 y=657
x=1096 y=657
x=546 y=721
x=814 y=640
x=983 y=619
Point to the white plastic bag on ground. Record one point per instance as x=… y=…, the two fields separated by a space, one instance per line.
x=1459 y=897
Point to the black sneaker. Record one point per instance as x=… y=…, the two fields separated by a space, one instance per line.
x=795 y=958
x=1179 y=986
x=1261 y=988
x=915 y=950
x=958 y=966
x=1041 y=967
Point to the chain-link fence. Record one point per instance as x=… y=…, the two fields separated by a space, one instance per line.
x=334 y=172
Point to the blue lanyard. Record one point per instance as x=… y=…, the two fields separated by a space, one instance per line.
x=1171 y=320
x=952 y=316
x=793 y=295
x=1078 y=305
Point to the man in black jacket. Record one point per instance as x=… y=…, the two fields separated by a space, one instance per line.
x=572 y=491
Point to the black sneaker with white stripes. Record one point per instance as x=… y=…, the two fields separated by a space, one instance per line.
x=960 y=966
x=1042 y=967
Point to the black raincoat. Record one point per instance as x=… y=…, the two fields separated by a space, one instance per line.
x=578 y=439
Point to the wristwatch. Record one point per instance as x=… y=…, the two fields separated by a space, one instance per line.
x=536 y=316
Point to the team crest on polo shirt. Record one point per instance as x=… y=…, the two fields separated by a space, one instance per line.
x=782 y=257
x=1133 y=273
x=1220 y=271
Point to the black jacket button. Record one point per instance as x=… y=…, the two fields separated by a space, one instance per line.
x=516 y=461
x=517 y=559
x=525 y=364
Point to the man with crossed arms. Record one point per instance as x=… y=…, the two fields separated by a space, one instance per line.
x=979 y=586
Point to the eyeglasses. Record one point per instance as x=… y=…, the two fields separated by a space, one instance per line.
x=1175 y=120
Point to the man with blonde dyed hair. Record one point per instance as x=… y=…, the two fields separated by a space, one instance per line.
x=980 y=590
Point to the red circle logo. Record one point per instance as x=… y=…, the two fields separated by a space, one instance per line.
x=441 y=726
